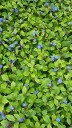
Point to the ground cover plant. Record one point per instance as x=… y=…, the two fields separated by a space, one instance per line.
x=35 y=64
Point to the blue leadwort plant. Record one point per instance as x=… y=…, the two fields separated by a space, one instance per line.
x=65 y=101
x=54 y=9
x=11 y=107
x=36 y=92
x=58 y=119
x=34 y=33
x=55 y=69
x=1 y=66
x=46 y=4
x=60 y=81
x=40 y=46
x=21 y=120
x=1 y=19
x=49 y=84
x=52 y=58
x=0 y=30
x=15 y=10
x=24 y=104
x=34 y=40
x=26 y=85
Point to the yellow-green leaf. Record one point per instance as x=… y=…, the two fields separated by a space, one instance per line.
x=24 y=90
x=5 y=77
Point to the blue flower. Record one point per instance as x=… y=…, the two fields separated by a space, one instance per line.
x=34 y=40
x=56 y=57
x=61 y=102
x=13 y=61
x=34 y=33
x=49 y=84
x=55 y=69
x=11 y=46
x=4 y=20
x=55 y=17
x=68 y=67
x=24 y=104
x=36 y=92
x=1 y=113
x=41 y=12
x=51 y=43
x=22 y=21
x=58 y=119
x=35 y=0
x=22 y=67
x=43 y=31
x=15 y=10
x=3 y=116
x=60 y=81
x=1 y=65
x=10 y=39
x=65 y=101
x=14 y=32
x=46 y=4
x=7 y=125
x=69 y=23
x=52 y=58
x=9 y=49
x=1 y=19
x=54 y=44
x=18 y=46
x=0 y=41
x=0 y=30
x=26 y=85
x=11 y=107
x=54 y=9
x=40 y=46
x=16 y=42
x=21 y=119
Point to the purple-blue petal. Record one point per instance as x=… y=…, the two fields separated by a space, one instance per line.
x=24 y=104
x=58 y=119
x=36 y=92
x=40 y=46
x=60 y=81
x=1 y=66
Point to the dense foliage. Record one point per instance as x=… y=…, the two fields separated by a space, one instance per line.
x=35 y=64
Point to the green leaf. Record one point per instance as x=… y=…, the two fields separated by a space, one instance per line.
x=49 y=126
x=13 y=84
x=35 y=118
x=51 y=104
x=37 y=125
x=56 y=102
x=10 y=118
x=69 y=121
x=4 y=122
x=24 y=90
x=17 y=116
x=39 y=94
x=1 y=107
x=62 y=89
x=4 y=100
x=71 y=47
x=16 y=125
x=59 y=97
x=22 y=125
x=3 y=86
x=44 y=112
x=5 y=77
x=22 y=53
x=46 y=118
